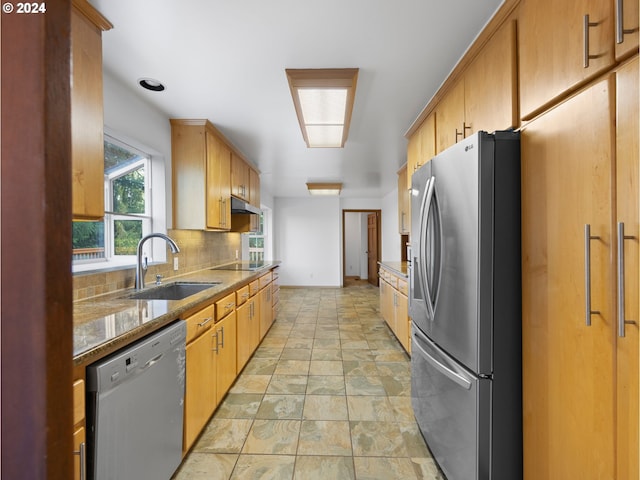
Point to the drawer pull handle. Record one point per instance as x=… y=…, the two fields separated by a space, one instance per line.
x=205 y=321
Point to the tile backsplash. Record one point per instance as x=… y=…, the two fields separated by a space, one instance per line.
x=198 y=250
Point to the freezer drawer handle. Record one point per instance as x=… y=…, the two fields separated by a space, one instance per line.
x=621 y=314
x=587 y=274
x=460 y=380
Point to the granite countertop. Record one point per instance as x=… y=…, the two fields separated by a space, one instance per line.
x=106 y=323
x=399 y=268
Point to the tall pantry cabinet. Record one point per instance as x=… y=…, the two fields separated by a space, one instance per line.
x=580 y=382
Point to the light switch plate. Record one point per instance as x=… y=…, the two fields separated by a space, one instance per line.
x=175 y=263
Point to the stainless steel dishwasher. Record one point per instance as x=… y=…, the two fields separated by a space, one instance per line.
x=135 y=409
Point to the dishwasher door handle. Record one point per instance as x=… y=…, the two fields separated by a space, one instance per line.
x=153 y=361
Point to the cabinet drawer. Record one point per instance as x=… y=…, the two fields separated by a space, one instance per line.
x=402 y=286
x=264 y=280
x=242 y=294
x=254 y=287
x=78 y=401
x=225 y=306
x=199 y=322
x=275 y=273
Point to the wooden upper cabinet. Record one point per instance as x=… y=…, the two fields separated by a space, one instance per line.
x=87 y=118
x=404 y=202
x=560 y=47
x=450 y=118
x=626 y=27
x=201 y=171
x=254 y=188
x=218 y=167
x=239 y=177
x=421 y=147
x=491 y=84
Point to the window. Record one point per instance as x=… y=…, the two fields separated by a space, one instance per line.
x=128 y=210
x=256 y=242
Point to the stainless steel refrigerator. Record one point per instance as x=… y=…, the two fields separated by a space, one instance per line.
x=465 y=306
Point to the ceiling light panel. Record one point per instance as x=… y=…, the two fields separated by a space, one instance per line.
x=323 y=100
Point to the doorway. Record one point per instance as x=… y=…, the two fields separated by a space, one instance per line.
x=361 y=245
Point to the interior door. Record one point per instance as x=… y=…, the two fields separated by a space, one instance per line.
x=568 y=367
x=372 y=248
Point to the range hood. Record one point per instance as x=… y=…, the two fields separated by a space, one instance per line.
x=240 y=206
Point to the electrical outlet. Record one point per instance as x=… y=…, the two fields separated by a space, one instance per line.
x=236 y=254
x=175 y=263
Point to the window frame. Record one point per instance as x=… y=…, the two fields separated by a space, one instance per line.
x=153 y=219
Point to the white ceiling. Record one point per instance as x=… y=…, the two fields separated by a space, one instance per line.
x=225 y=59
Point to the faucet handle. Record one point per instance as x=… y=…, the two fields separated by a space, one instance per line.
x=159 y=279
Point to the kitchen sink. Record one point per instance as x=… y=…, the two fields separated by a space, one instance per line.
x=172 y=291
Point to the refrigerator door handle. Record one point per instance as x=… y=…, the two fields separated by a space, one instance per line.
x=440 y=366
x=424 y=223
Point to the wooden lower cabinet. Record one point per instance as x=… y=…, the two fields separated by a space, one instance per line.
x=266 y=310
x=580 y=381
x=394 y=306
x=79 y=432
x=248 y=330
x=226 y=351
x=200 y=385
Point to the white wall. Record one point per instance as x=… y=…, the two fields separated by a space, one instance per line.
x=390 y=231
x=307 y=239
x=130 y=118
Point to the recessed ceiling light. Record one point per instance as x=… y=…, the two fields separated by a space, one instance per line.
x=323 y=99
x=151 y=84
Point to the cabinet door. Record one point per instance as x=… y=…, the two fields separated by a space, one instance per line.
x=627 y=155
x=246 y=326
x=491 y=89
x=239 y=177
x=87 y=122
x=552 y=47
x=402 y=319
x=266 y=311
x=626 y=33
x=79 y=438
x=218 y=206
x=200 y=386
x=226 y=355
x=404 y=215
x=568 y=389
x=421 y=147
x=450 y=126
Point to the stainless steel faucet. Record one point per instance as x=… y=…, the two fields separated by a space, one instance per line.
x=140 y=268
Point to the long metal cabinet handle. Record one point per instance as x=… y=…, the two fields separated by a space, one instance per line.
x=460 y=380
x=205 y=321
x=621 y=293
x=620 y=30
x=587 y=273
x=216 y=342
x=221 y=333
x=585 y=36
x=82 y=453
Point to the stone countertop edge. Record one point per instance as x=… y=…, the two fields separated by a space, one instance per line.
x=106 y=323
x=399 y=268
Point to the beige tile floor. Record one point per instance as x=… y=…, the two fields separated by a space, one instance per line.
x=325 y=396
